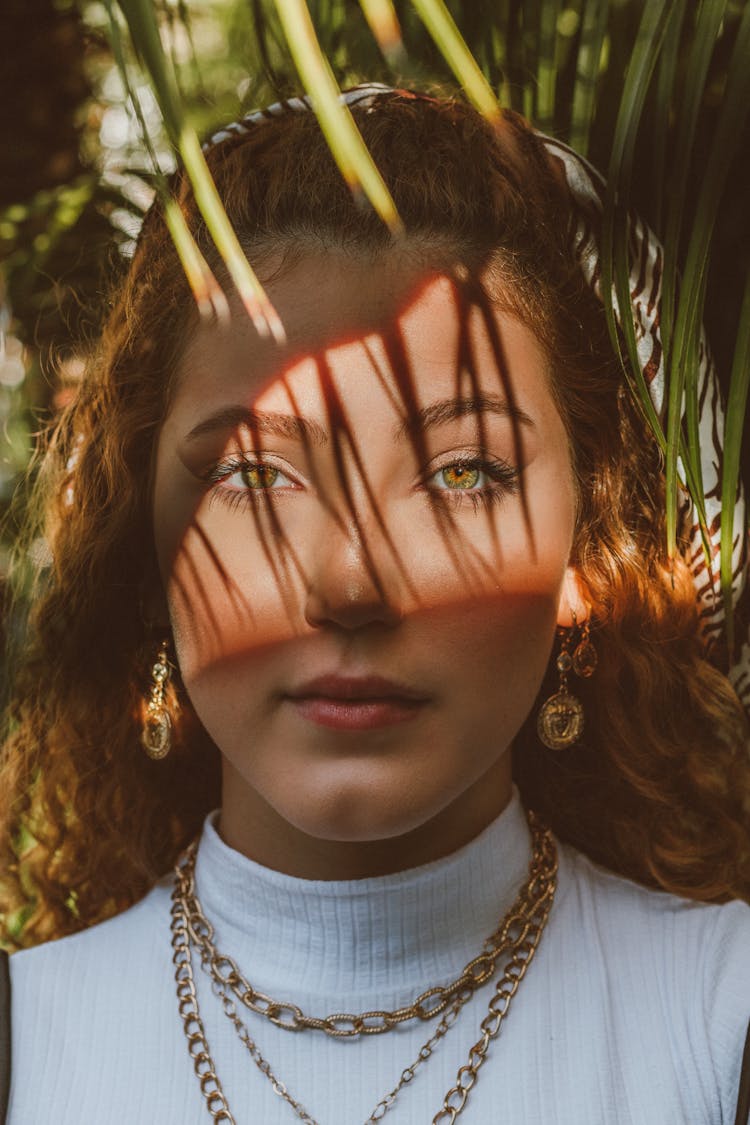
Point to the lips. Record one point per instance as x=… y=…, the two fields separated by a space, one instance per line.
x=356 y=688
x=356 y=703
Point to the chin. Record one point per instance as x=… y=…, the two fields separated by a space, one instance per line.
x=360 y=817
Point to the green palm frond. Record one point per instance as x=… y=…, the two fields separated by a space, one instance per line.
x=144 y=32
x=547 y=65
x=442 y=27
x=663 y=103
x=655 y=92
x=733 y=433
x=615 y=258
x=208 y=295
x=626 y=82
x=682 y=363
x=384 y=24
x=344 y=139
x=588 y=66
x=688 y=317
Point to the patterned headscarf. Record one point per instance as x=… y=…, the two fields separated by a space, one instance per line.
x=587 y=191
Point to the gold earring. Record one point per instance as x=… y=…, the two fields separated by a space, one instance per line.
x=156 y=738
x=585 y=658
x=559 y=723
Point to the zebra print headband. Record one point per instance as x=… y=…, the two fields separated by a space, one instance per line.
x=587 y=191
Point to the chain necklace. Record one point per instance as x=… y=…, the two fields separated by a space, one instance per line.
x=433 y=1002
x=519 y=934
x=380 y=1110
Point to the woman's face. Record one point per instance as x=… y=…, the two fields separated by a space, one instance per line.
x=410 y=521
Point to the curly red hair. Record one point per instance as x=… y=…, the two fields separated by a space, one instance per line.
x=658 y=788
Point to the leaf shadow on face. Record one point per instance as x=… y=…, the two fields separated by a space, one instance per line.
x=357 y=511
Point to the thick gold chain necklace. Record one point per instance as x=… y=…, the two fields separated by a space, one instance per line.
x=518 y=935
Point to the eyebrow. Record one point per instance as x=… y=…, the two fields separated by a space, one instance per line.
x=311 y=432
x=264 y=422
x=449 y=409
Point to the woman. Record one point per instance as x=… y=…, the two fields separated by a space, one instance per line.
x=369 y=594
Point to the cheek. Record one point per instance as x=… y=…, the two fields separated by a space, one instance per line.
x=231 y=592
x=496 y=652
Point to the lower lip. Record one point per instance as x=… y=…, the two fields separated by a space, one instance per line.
x=363 y=714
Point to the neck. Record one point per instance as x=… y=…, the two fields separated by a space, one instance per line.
x=249 y=825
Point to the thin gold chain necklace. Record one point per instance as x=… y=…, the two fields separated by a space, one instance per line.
x=518 y=934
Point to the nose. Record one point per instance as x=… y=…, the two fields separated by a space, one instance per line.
x=353 y=579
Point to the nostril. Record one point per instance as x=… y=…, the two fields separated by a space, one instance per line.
x=352 y=608
x=350 y=602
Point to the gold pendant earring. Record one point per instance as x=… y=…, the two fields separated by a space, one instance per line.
x=156 y=738
x=559 y=723
x=585 y=658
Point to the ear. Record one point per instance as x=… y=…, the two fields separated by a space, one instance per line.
x=572 y=599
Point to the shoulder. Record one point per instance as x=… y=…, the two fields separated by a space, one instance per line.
x=613 y=895
x=91 y=1016
x=91 y=984
x=711 y=938
x=687 y=962
x=130 y=940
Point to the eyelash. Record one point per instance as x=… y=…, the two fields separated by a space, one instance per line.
x=504 y=478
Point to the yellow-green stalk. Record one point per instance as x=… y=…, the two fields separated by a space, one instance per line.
x=344 y=139
x=442 y=27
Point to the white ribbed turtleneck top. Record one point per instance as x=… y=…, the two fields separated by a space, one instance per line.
x=633 y=1012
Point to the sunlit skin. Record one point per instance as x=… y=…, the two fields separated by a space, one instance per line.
x=275 y=577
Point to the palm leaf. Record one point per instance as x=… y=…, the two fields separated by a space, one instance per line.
x=733 y=431
x=519 y=39
x=515 y=75
x=183 y=12
x=707 y=27
x=663 y=108
x=728 y=131
x=442 y=27
x=207 y=292
x=530 y=21
x=615 y=258
x=383 y=23
x=546 y=65
x=682 y=374
x=593 y=28
x=344 y=139
x=144 y=33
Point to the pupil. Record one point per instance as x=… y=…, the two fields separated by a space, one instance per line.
x=259 y=476
x=461 y=476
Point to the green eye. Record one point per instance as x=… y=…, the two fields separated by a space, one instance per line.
x=259 y=476
x=475 y=480
x=460 y=476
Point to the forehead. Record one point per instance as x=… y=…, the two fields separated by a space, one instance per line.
x=414 y=328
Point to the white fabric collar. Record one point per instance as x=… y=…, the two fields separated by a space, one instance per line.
x=380 y=940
